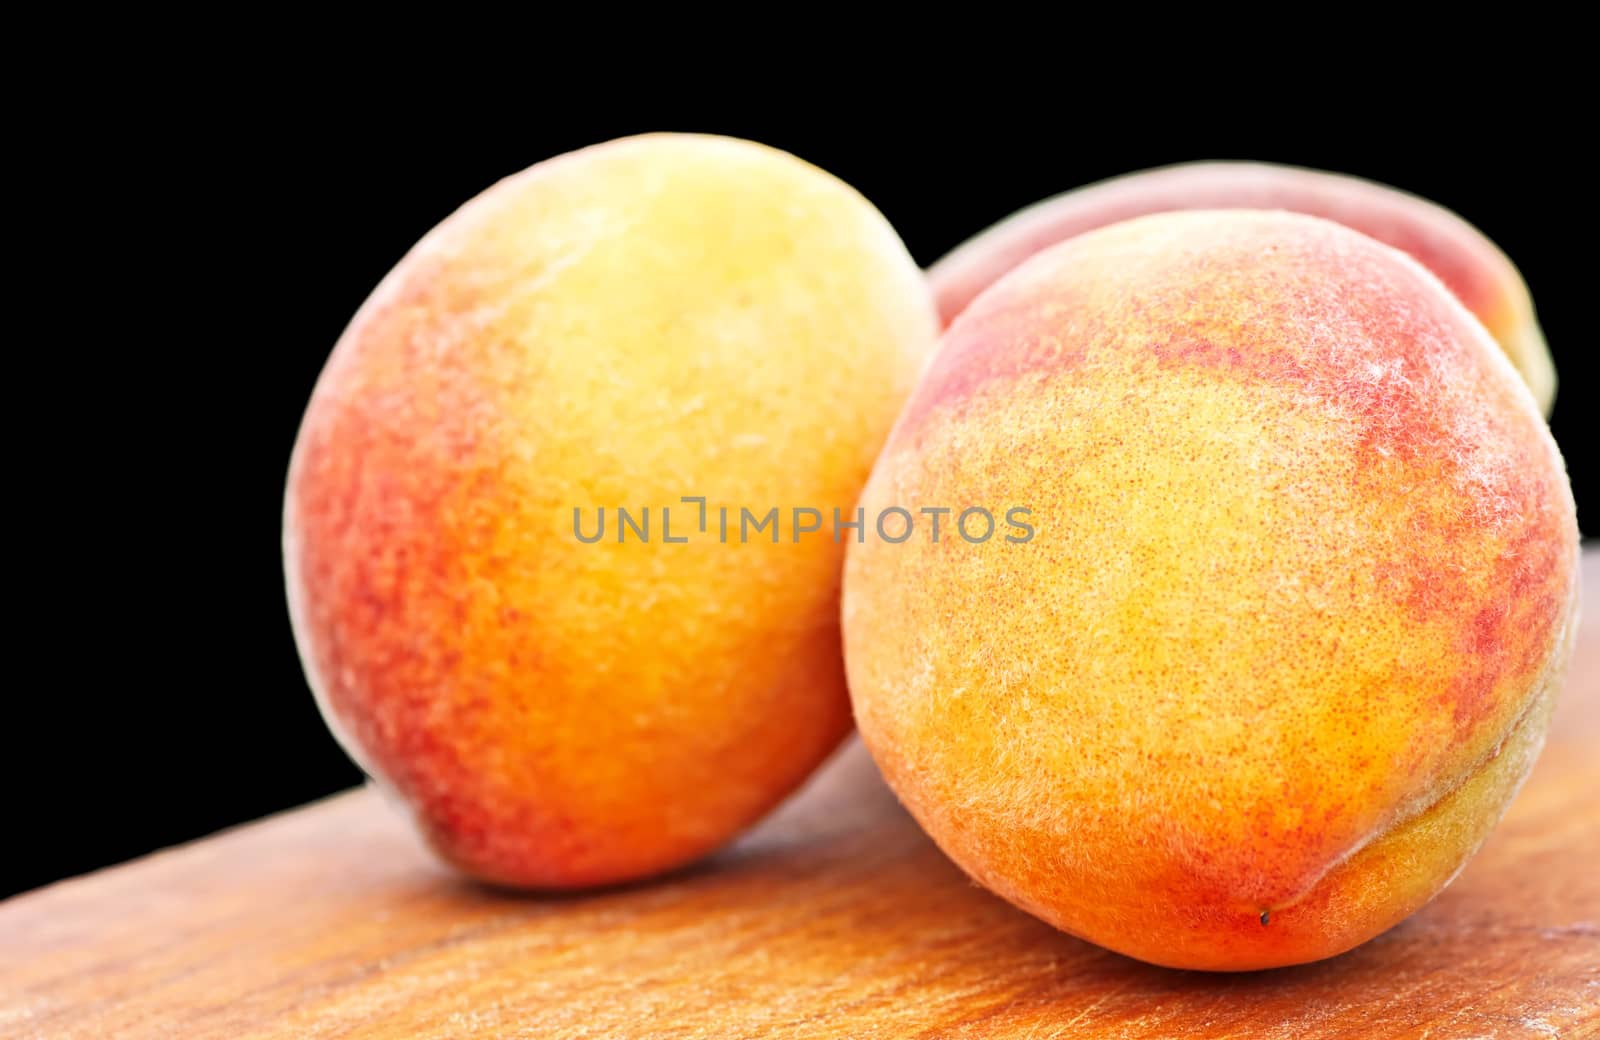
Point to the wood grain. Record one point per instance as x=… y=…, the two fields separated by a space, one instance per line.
x=835 y=918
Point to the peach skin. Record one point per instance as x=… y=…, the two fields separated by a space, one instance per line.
x=1473 y=267
x=1300 y=594
x=655 y=318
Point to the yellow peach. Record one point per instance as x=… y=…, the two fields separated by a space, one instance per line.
x=653 y=319
x=1299 y=592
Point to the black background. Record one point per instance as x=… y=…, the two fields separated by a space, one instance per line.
x=226 y=250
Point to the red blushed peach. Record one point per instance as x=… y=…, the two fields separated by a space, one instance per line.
x=1301 y=591
x=653 y=318
x=1468 y=263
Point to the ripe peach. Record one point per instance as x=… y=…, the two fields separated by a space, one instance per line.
x=648 y=319
x=1300 y=593
x=1463 y=258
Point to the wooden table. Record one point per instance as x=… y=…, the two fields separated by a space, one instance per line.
x=835 y=918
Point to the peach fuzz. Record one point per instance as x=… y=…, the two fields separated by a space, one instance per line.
x=652 y=318
x=1302 y=589
x=1472 y=266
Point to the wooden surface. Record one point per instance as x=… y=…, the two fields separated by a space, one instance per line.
x=835 y=918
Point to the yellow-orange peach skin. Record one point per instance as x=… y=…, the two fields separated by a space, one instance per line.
x=1301 y=592
x=1472 y=266
x=657 y=317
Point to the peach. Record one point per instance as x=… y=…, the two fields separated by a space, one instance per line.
x=651 y=319
x=1466 y=261
x=1301 y=584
